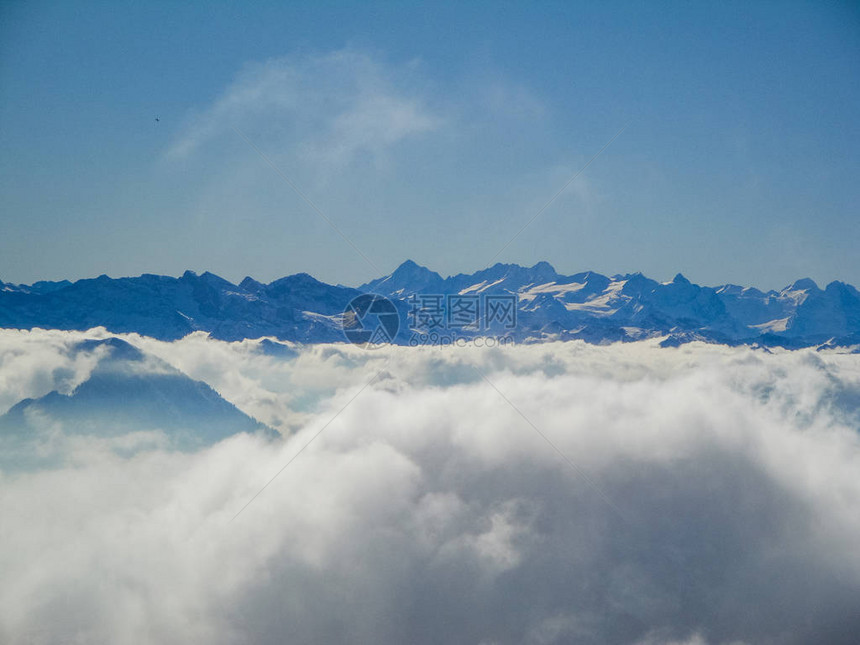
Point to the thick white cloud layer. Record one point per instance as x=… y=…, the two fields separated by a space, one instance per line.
x=694 y=495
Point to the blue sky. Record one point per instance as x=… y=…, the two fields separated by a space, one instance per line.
x=432 y=133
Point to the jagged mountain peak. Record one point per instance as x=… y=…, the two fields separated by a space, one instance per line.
x=409 y=277
x=837 y=286
x=249 y=284
x=804 y=284
x=412 y=269
x=513 y=275
x=410 y=265
x=207 y=278
x=296 y=281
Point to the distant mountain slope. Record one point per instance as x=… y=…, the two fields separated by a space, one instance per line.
x=129 y=391
x=170 y=308
x=587 y=305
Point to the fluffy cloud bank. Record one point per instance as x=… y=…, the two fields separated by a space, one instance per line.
x=540 y=494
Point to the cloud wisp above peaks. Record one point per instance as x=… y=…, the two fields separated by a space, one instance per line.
x=330 y=108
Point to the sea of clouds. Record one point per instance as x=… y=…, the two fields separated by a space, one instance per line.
x=551 y=493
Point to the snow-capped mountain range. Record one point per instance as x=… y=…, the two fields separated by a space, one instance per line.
x=550 y=306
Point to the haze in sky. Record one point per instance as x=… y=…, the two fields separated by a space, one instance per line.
x=133 y=137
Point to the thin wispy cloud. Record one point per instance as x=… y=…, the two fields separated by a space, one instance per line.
x=327 y=108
